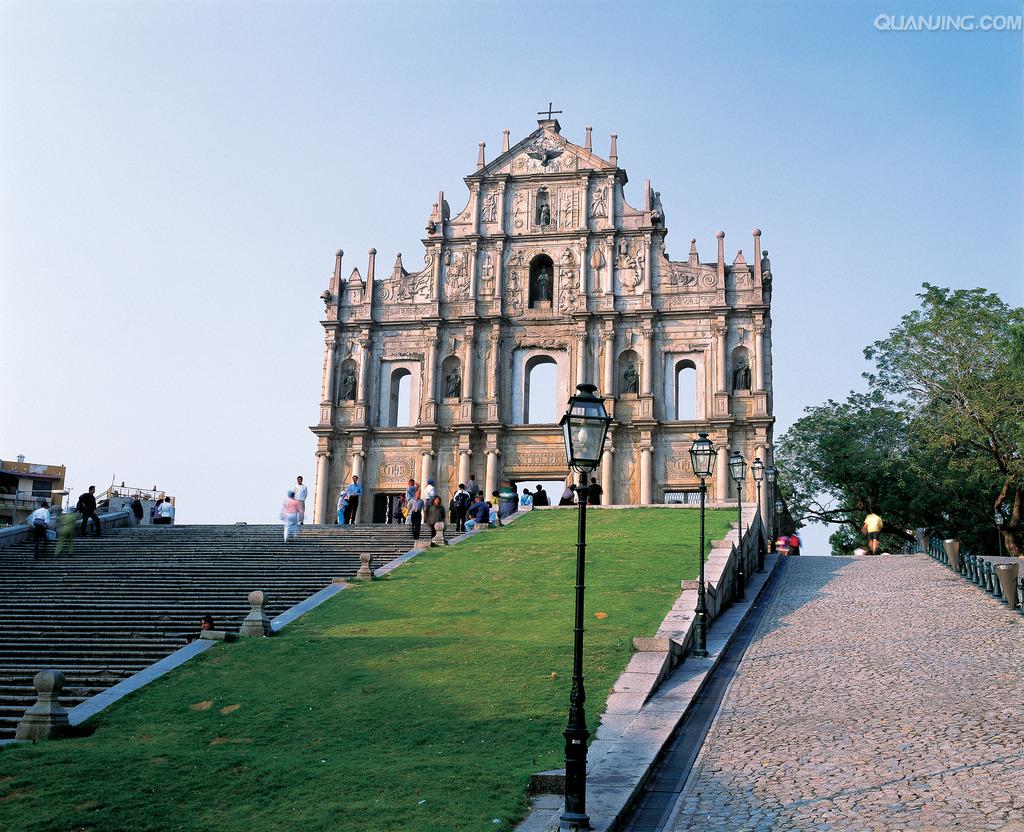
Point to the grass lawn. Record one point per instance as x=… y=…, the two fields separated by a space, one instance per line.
x=420 y=702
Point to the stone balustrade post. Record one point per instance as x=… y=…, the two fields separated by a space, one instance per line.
x=47 y=718
x=256 y=622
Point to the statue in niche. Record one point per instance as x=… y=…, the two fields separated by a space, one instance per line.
x=631 y=377
x=542 y=286
x=453 y=383
x=741 y=375
x=348 y=385
x=490 y=207
x=513 y=292
x=598 y=208
x=766 y=269
x=543 y=213
x=487 y=275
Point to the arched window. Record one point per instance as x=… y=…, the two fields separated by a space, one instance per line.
x=399 y=408
x=539 y=400
x=542 y=272
x=629 y=374
x=347 y=381
x=451 y=378
x=686 y=390
x=740 y=369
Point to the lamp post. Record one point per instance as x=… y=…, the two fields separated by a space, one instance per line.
x=771 y=476
x=757 y=470
x=738 y=470
x=778 y=513
x=584 y=429
x=1002 y=517
x=702 y=459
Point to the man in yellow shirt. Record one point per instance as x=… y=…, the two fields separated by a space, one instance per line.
x=872 y=526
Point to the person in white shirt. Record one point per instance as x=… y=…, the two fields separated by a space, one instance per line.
x=429 y=492
x=165 y=513
x=300 y=494
x=39 y=521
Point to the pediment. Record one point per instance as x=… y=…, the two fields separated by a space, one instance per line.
x=544 y=151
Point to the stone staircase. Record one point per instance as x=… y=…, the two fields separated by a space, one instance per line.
x=128 y=599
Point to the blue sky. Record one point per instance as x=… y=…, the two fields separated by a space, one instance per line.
x=177 y=177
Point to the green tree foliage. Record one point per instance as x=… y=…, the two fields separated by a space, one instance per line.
x=937 y=442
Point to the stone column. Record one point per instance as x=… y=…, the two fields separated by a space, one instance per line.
x=607 y=473
x=608 y=379
x=647 y=265
x=491 y=479
x=474 y=255
x=323 y=458
x=469 y=367
x=363 y=393
x=492 y=362
x=435 y=281
x=474 y=191
x=425 y=467
x=648 y=359
x=645 y=475
x=720 y=359
x=758 y=355
x=501 y=210
x=430 y=382
x=722 y=474
x=464 y=466
x=330 y=362
x=357 y=471
x=581 y=357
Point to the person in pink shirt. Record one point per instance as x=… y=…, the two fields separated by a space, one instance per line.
x=290 y=515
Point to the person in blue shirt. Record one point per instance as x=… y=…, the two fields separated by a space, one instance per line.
x=479 y=513
x=354 y=491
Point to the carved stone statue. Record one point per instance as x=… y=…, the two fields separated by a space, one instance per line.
x=544 y=215
x=597 y=208
x=631 y=379
x=453 y=384
x=490 y=207
x=741 y=375
x=766 y=268
x=348 y=386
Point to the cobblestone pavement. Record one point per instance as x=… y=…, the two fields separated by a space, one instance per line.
x=880 y=693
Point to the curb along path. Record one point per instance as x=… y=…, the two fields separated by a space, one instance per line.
x=878 y=694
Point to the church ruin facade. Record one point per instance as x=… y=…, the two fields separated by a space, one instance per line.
x=547 y=273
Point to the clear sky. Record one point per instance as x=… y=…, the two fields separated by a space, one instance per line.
x=177 y=176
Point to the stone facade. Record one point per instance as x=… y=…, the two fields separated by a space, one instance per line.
x=546 y=264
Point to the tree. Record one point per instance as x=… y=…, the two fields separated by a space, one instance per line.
x=957 y=363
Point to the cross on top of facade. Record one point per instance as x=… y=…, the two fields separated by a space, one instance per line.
x=549 y=112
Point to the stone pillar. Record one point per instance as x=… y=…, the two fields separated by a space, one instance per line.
x=492 y=362
x=464 y=466
x=364 y=370
x=581 y=357
x=608 y=379
x=647 y=264
x=501 y=222
x=648 y=361
x=47 y=718
x=759 y=355
x=256 y=622
x=474 y=191
x=645 y=475
x=469 y=367
x=320 y=512
x=491 y=479
x=720 y=386
x=435 y=278
x=722 y=474
x=357 y=471
x=425 y=467
x=430 y=382
x=330 y=361
x=474 y=255
x=607 y=473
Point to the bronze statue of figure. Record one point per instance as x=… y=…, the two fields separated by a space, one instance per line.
x=632 y=379
x=453 y=382
x=741 y=375
x=348 y=386
x=543 y=286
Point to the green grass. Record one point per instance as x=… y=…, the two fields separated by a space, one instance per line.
x=420 y=702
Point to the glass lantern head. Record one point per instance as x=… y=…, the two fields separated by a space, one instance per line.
x=702 y=456
x=584 y=429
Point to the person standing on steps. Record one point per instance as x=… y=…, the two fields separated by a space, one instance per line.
x=473 y=487
x=342 y=506
x=429 y=492
x=540 y=497
x=137 y=511
x=301 y=492
x=460 y=502
x=165 y=512
x=39 y=521
x=435 y=521
x=416 y=514
x=290 y=516
x=66 y=533
x=354 y=491
x=872 y=527
x=411 y=489
x=596 y=492
x=87 y=508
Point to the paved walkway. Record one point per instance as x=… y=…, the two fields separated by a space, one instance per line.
x=879 y=694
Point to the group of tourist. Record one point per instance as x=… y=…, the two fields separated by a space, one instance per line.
x=293 y=512
x=466 y=510
x=539 y=498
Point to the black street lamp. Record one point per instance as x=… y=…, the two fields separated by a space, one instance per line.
x=584 y=429
x=757 y=470
x=778 y=515
x=702 y=459
x=1002 y=518
x=771 y=476
x=738 y=470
